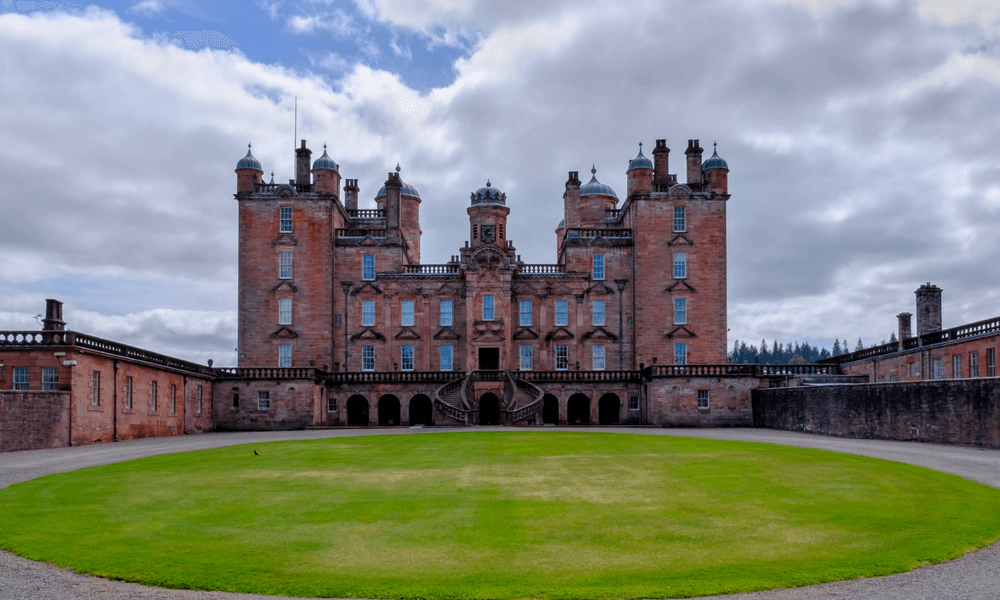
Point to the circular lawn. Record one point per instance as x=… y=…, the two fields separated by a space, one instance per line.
x=521 y=514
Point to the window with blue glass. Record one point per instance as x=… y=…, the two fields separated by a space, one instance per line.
x=368 y=313
x=488 y=307
x=680 y=219
x=368 y=267
x=680 y=311
x=598 y=271
x=286 y=219
x=680 y=265
x=446 y=313
x=680 y=354
x=524 y=319
x=407 y=313
x=445 y=354
x=598 y=312
x=562 y=312
x=406 y=363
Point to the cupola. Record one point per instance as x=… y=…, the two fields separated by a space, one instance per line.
x=595 y=187
x=249 y=162
x=640 y=161
x=248 y=173
x=325 y=162
x=715 y=161
x=716 y=173
x=406 y=190
x=488 y=195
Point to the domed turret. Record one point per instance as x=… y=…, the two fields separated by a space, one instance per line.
x=249 y=162
x=595 y=187
x=325 y=162
x=326 y=174
x=640 y=161
x=715 y=161
x=488 y=195
x=716 y=172
x=407 y=189
x=248 y=173
x=640 y=174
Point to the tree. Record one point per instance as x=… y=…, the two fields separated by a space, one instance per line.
x=836 y=347
x=765 y=355
x=893 y=339
x=860 y=346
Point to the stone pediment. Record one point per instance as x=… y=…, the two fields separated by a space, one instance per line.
x=488 y=258
x=409 y=290
x=368 y=334
x=680 y=238
x=599 y=288
x=526 y=333
x=488 y=336
x=600 y=333
x=285 y=191
x=488 y=330
x=680 y=331
x=285 y=285
x=447 y=333
x=407 y=333
x=680 y=191
x=448 y=290
x=366 y=288
x=599 y=241
x=562 y=288
x=559 y=334
x=525 y=289
x=284 y=333
x=285 y=239
x=369 y=241
x=681 y=284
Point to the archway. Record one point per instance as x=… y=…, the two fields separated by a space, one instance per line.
x=550 y=409
x=609 y=409
x=357 y=410
x=489 y=410
x=578 y=410
x=421 y=412
x=388 y=410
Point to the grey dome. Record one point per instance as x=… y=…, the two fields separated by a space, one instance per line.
x=640 y=161
x=595 y=187
x=408 y=190
x=325 y=162
x=249 y=162
x=715 y=161
x=488 y=195
x=562 y=223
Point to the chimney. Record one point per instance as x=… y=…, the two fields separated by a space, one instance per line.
x=904 y=330
x=303 y=161
x=351 y=194
x=693 y=154
x=928 y=309
x=661 y=169
x=53 y=316
x=393 y=186
x=571 y=201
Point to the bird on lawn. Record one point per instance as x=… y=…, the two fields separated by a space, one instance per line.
x=255 y=453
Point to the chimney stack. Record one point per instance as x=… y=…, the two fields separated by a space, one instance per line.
x=53 y=320
x=928 y=309
x=351 y=194
x=904 y=330
x=393 y=186
x=661 y=167
x=303 y=161
x=693 y=154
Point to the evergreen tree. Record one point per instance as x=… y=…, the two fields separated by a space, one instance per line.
x=744 y=351
x=893 y=339
x=824 y=353
x=836 y=347
x=860 y=346
x=765 y=355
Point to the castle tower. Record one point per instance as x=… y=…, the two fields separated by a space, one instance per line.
x=928 y=309
x=326 y=174
x=248 y=173
x=595 y=200
x=640 y=174
x=716 y=173
x=488 y=217
x=401 y=203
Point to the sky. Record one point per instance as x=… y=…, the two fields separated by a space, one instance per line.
x=862 y=140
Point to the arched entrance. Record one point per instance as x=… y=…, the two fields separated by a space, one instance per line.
x=357 y=410
x=550 y=409
x=421 y=412
x=578 y=410
x=609 y=409
x=489 y=409
x=388 y=410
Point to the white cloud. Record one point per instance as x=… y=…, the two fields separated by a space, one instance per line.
x=337 y=22
x=149 y=7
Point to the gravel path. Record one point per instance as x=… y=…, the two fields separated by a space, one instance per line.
x=975 y=576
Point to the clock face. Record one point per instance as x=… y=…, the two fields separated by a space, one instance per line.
x=489 y=233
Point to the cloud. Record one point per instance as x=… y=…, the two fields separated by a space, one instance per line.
x=149 y=8
x=337 y=22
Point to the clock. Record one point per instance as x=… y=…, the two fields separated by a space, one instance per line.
x=489 y=233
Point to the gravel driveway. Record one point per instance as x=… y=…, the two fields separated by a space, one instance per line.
x=975 y=576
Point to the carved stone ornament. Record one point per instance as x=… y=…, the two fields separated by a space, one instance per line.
x=489 y=233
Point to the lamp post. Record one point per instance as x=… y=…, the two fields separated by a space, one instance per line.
x=621 y=283
x=347 y=290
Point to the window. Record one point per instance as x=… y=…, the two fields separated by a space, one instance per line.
x=488 y=307
x=633 y=402
x=680 y=354
x=173 y=397
x=128 y=392
x=913 y=369
x=199 y=399
x=991 y=362
x=703 y=399
x=236 y=400
x=680 y=218
x=500 y=227
x=21 y=376
x=331 y=404
x=524 y=320
x=152 y=398
x=284 y=355
x=285 y=265
x=680 y=311
x=285 y=311
x=562 y=310
x=446 y=313
x=956 y=366
x=368 y=313
x=286 y=219
x=406 y=363
x=562 y=358
x=407 y=313
x=598 y=272
x=263 y=400
x=50 y=379
x=973 y=364
x=368 y=267
x=598 y=358
x=937 y=370
x=367 y=358
x=598 y=312
x=525 y=353
x=445 y=354
x=680 y=265
x=475 y=231
x=97 y=388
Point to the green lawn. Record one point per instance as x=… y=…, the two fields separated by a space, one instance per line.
x=498 y=515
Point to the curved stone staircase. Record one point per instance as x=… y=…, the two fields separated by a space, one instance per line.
x=526 y=401
x=451 y=400
x=522 y=400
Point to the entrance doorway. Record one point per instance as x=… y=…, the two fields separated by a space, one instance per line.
x=489 y=359
x=388 y=410
x=420 y=410
x=357 y=410
x=608 y=409
x=550 y=409
x=489 y=410
x=578 y=410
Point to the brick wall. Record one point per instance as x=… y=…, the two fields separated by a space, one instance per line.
x=963 y=411
x=34 y=419
x=673 y=402
x=897 y=367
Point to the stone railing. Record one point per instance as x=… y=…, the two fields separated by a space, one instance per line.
x=460 y=414
x=541 y=269
x=969 y=330
x=259 y=373
x=612 y=214
x=366 y=213
x=37 y=338
x=534 y=405
x=270 y=188
x=737 y=370
x=393 y=377
x=361 y=232
x=597 y=376
x=488 y=375
x=430 y=269
x=594 y=233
